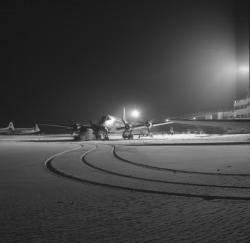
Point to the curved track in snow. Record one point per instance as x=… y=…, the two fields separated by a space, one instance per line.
x=102 y=165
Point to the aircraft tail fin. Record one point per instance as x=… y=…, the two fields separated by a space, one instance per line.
x=124 y=115
x=36 y=128
x=11 y=126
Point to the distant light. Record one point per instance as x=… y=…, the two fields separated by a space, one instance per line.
x=135 y=113
x=194 y=118
x=167 y=120
x=243 y=69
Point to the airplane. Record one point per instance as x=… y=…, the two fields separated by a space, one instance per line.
x=11 y=130
x=108 y=125
x=129 y=128
x=90 y=130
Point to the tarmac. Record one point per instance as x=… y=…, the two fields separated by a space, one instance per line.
x=181 y=188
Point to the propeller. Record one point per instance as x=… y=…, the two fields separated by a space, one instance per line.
x=148 y=124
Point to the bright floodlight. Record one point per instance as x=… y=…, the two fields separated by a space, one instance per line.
x=243 y=69
x=135 y=113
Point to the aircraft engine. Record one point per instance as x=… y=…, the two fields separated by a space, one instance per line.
x=148 y=124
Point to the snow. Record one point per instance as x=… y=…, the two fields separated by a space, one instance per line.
x=93 y=196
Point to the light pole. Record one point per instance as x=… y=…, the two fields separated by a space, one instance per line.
x=243 y=75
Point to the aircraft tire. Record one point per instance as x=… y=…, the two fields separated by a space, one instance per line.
x=131 y=137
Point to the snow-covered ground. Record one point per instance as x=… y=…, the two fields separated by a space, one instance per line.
x=34 y=138
x=126 y=191
x=176 y=138
x=184 y=138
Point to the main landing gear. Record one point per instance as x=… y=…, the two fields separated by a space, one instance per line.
x=128 y=135
x=102 y=135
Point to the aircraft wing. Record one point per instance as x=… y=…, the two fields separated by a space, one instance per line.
x=141 y=126
x=230 y=123
x=52 y=125
x=162 y=123
x=5 y=132
x=3 y=129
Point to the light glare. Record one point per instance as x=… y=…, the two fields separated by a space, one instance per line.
x=243 y=69
x=135 y=113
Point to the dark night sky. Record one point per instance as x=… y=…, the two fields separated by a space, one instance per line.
x=76 y=61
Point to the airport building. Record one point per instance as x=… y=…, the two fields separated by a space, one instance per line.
x=242 y=108
x=216 y=115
